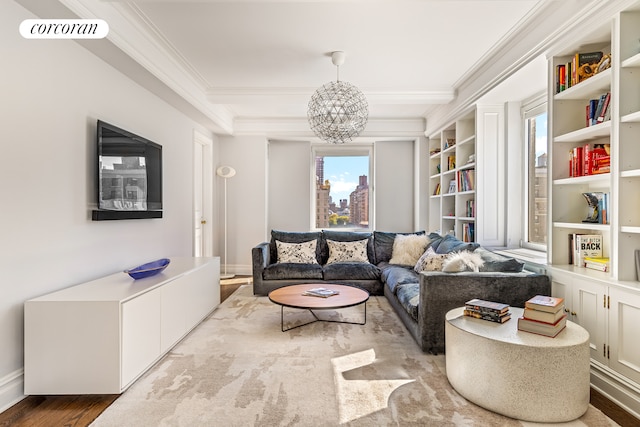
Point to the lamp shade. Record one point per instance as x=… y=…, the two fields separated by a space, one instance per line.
x=338 y=112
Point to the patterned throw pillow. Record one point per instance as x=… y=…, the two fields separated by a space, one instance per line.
x=407 y=249
x=297 y=253
x=430 y=261
x=355 y=251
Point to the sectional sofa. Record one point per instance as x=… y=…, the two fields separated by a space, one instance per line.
x=407 y=268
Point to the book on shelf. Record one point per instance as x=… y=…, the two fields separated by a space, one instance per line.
x=597 y=263
x=543 y=328
x=598 y=207
x=490 y=316
x=587 y=245
x=451 y=163
x=544 y=316
x=320 y=292
x=468 y=232
x=545 y=303
x=466 y=180
x=585 y=65
x=485 y=306
x=452 y=186
x=436 y=191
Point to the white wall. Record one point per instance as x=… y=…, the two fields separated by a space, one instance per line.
x=247 y=198
x=52 y=94
x=289 y=164
x=394 y=184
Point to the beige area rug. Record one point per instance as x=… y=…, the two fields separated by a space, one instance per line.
x=238 y=369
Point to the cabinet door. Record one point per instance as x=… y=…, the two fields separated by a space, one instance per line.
x=140 y=335
x=588 y=303
x=561 y=288
x=174 y=313
x=624 y=346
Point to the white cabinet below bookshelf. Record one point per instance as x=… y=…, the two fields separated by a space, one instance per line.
x=100 y=336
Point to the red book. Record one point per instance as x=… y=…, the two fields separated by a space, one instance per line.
x=588 y=161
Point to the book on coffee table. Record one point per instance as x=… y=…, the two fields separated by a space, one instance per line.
x=320 y=292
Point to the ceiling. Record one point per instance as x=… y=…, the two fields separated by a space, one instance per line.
x=241 y=61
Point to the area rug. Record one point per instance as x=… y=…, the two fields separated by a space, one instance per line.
x=238 y=368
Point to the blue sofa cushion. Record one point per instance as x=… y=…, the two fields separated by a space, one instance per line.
x=351 y=271
x=287 y=271
x=395 y=275
x=383 y=244
x=409 y=298
x=450 y=244
x=346 y=236
x=295 y=237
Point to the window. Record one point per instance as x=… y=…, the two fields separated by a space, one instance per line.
x=535 y=200
x=342 y=185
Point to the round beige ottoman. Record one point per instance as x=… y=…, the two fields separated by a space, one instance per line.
x=515 y=373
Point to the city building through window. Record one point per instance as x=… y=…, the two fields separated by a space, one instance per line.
x=342 y=189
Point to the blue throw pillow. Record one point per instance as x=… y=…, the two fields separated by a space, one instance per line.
x=450 y=244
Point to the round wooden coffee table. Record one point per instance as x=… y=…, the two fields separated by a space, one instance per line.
x=292 y=296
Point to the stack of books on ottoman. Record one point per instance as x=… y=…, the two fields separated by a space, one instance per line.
x=543 y=315
x=487 y=310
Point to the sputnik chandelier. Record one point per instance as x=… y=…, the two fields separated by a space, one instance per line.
x=338 y=111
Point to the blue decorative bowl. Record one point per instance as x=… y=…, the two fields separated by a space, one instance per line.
x=148 y=269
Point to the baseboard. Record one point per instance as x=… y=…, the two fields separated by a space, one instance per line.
x=615 y=388
x=237 y=269
x=11 y=389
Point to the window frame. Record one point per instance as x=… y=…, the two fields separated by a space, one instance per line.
x=530 y=109
x=354 y=149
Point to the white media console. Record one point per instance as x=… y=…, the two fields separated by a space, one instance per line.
x=99 y=337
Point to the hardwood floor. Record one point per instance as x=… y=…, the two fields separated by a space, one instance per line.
x=80 y=411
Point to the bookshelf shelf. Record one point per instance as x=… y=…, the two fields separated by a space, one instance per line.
x=602 y=178
x=635 y=173
x=631 y=118
x=632 y=62
x=587 y=133
x=587 y=89
x=631 y=230
x=582 y=226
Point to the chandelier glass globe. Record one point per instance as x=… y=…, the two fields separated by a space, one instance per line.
x=338 y=111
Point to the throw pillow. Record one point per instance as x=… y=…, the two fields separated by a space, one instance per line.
x=355 y=251
x=297 y=253
x=430 y=261
x=450 y=243
x=407 y=249
x=462 y=261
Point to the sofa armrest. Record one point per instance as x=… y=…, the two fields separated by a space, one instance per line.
x=260 y=259
x=441 y=292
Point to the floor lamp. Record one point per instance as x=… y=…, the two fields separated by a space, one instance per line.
x=225 y=172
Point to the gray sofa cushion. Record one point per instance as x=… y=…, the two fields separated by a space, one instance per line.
x=498 y=263
x=409 y=297
x=347 y=236
x=383 y=244
x=350 y=271
x=395 y=275
x=450 y=244
x=292 y=271
x=295 y=237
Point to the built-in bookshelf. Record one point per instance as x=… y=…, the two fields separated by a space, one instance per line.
x=606 y=303
x=452 y=178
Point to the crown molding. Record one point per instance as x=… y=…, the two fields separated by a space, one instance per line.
x=532 y=37
x=130 y=32
x=299 y=127
x=301 y=95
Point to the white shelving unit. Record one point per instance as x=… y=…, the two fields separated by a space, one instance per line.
x=607 y=304
x=451 y=163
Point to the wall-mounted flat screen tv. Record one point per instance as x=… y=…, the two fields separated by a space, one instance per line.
x=129 y=175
